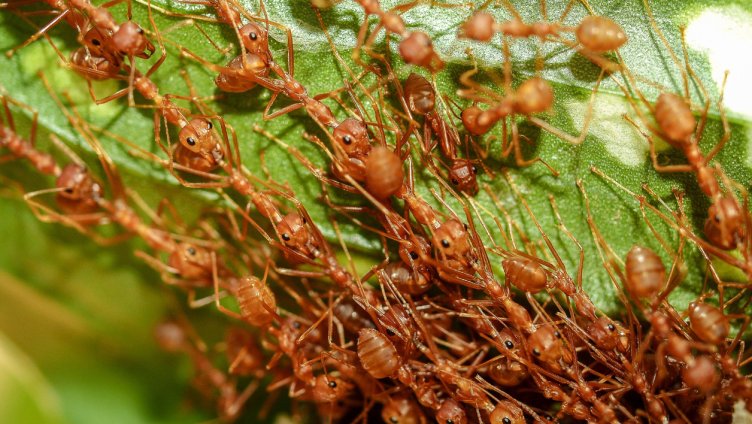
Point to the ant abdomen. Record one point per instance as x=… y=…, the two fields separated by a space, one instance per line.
x=407 y=281
x=384 y=174
x=236 y=80
x=701 y=374
x=646 y=274
x=599 y=34
x=256 y=301
x=674 y=118
x=352 y=316
x=534 y=96
x=525 y=274
x=419 y=93
x=708 y=322
x=377 y=353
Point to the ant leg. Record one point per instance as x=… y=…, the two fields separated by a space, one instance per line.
x=41 y=32
x=654 y=155
x=520 y=160
x=287 y=109
x=588 y=119
x=215 y=280
x=726 y=128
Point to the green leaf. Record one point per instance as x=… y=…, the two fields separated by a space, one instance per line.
x=611 y=145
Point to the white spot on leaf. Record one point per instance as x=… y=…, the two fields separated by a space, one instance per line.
x=609 y=126
x=725 y=34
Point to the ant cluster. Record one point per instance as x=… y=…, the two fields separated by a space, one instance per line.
x=434 y=331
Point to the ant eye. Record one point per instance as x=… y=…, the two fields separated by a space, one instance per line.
x=96 y=42
x=557 y=334
x=347 y=140
x=445 y=243
x=466 y=227
x=191 y=251
x=68 y=190
x=536 y=352
x=449 y=421
x=393 y=420
x=611 y=327
x=296 y=325
x=209 y=125
x=305 y=221
x=332 y=384
x=191 y=141
x=389 y=332
x=140 y=31
x=506 y=420
x=475 y=170
x=286 y=237
x=454 y=181
x=509 y=344
x=717 y=218
x=253 y=36
x=413 y=255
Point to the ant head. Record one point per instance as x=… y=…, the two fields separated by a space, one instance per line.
x=414 y=249
x=451 y=412
x=255 y=39
x=417 y=49
x=328 y=388
x=462 y=175
x=452 y=239
x=534 y=96
x=420 y=95
x=293 y=230
x=507 y=412
x=94 y=42
x=76 y=184
x=197 y=136
x=401 y=409
x=397 y=325
x=130 y=40
x=191 y=261
x=546 y=345
x=479 y=27
x=604 y=333
x=72 y=181
x=352 y=136
x=724 y=223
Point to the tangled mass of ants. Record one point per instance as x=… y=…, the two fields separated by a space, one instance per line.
x=433 y=331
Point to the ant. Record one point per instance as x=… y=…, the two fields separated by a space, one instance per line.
x=595 y=34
